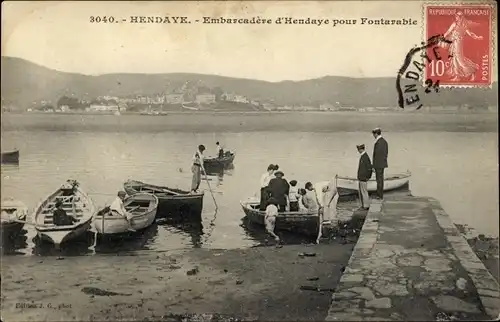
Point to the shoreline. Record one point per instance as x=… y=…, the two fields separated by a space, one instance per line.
x=261 y=283
x=253 y=122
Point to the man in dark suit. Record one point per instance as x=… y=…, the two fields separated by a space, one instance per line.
x=364 y=174
x=380 y=151
x=279 y=189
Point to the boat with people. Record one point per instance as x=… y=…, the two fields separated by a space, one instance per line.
x=13 y=217
x=213 y=163
x=173 y=202
x=69 y=199
x=305 y=223
x=10 y=157
x=141 y=206
x=392 y=181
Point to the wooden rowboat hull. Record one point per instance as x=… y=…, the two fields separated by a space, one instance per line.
x=184 y=205
x=84 y=207
x=10 y=157
x=11 y=229
x=105 y=224
x=302 y=223
x=212 y=164
x=391 y=182
x=58 y=237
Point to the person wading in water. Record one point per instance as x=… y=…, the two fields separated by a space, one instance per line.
x=198 y=159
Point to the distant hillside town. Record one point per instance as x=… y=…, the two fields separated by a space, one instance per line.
x=30 y=87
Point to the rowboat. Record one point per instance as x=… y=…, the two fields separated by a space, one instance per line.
x=172 y=202
x=219 y=163
x=142 y=207
x=10 y=157
x=391 y=182
x=76 y=203
x=13 y=216
x=301 y=222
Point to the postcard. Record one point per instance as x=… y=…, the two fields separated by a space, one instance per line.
x=249 y=161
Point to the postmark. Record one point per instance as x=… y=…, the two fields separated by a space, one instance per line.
x=408 y=81
x=466 y=56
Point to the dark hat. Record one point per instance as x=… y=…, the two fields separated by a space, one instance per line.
x=360 y=146
x=276 y=167
x=58 y=203
x=201 y=147
x=122 y=193
x=377 y=130
x=279 y=172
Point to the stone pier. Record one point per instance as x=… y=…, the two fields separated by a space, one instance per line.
x=411 y=264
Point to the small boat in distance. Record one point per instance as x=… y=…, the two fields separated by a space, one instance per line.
x=142 y=206
x=10 y=157
x=295 y=221
x=76 y=203
x=215 y=163
x=13 y=216
x=175 y=203
x=391 y=182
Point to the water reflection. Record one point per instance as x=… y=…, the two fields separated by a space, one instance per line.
x=193 y=229
x=77 y=247
x=127 y=242
x=13 y=244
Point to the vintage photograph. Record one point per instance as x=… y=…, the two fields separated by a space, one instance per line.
x=249 y=161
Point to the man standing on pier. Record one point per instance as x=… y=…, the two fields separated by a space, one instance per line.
x=380 y=152
x=364 y=174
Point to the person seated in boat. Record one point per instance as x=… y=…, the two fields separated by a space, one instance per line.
x=220 y=150
x=270 y=218
x=310 y=200
x=294 y=196
x=118 y=207
x=198 y=159
x=301 y=193
x=264 y=183
x=61 y=218
x=280 y=190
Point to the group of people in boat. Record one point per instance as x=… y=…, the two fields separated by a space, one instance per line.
x=287 y=196
x=277 y=195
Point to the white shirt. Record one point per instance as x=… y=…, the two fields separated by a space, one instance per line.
x=219 y=148
x=292 y=196
x=271 y=211
x=198 y=157
x=117 y=205
x=265 y=178
x=325 y=197
x=301 y=205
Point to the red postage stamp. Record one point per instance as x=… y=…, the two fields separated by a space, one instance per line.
x=465 y=58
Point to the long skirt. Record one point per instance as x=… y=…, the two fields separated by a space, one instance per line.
x=264 y=196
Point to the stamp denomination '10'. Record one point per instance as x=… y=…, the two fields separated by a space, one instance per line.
x=466 y=56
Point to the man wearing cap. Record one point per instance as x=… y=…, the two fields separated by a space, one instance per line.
x=364 y=174
x=61 y=218
x=118 y=207
x=380 y=152
x=280 y=190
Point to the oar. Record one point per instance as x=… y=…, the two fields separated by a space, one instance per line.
x=210 y=188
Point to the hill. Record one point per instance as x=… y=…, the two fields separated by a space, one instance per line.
x=24 y=82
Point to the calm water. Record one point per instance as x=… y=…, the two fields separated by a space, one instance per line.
x=459 y=169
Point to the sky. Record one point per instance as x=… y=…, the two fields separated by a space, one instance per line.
x=59 y=36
